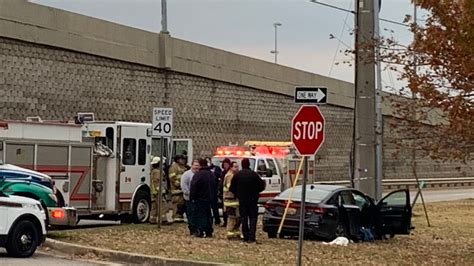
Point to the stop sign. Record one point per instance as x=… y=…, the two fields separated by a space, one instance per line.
x=307 y=130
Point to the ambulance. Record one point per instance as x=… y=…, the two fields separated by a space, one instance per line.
x=100 y=170
x=276 y=162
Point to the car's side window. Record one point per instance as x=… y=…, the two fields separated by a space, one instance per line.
x=332 y=200
x=347 y=197
x=360 y=200
x=396 y=199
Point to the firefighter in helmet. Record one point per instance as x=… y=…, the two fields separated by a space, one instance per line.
x=175 y=171
x=231 y=204
x=156 y=175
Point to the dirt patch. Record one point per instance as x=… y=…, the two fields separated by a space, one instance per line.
x=450 y=240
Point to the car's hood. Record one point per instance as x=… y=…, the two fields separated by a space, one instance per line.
x=18 y=199
x=14 y=168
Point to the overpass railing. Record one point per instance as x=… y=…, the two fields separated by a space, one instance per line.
x=428 y=183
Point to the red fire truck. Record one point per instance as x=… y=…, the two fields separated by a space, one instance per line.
x=101 y=170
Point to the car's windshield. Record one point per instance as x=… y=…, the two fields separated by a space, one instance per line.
x=313 y=194
x=217 y=161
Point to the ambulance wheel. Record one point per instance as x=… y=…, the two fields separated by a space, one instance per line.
x=141 y=207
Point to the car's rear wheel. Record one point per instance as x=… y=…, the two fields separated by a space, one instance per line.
x=341 y=230
x=23 y=239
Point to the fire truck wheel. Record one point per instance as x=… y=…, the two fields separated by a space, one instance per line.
x=141 y=207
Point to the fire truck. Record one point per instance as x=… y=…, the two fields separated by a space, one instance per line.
x=276 y=162
x=101 y=170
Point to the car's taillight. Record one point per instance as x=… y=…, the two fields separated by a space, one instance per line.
x=57 y=214
x=315 y=209
x=270 y=205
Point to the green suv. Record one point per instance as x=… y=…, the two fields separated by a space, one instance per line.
x=28 y=189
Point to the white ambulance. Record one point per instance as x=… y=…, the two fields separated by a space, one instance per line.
x=276 y=162
x=101 y=170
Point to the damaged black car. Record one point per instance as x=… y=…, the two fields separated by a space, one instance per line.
x=332 y=211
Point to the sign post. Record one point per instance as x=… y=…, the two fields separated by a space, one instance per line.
x=307 y=134
x=162 y=126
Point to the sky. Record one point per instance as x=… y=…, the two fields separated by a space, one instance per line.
x=246 y=27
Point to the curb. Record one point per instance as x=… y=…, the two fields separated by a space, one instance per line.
x=119 y=256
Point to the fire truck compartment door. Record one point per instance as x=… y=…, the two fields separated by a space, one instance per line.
x=134 y=161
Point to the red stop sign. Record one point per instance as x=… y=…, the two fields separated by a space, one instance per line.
x=307 y=129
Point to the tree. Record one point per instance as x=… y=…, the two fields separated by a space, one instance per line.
x=438 y=67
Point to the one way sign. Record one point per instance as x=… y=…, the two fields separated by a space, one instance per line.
x=317 y=95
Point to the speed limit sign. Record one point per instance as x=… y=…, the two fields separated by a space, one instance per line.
x=162 y=125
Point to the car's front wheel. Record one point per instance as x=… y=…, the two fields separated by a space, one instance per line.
x=23 y=239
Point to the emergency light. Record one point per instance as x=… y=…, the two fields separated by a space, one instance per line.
x=273 y=151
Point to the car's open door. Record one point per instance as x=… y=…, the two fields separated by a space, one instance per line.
x=394 y=213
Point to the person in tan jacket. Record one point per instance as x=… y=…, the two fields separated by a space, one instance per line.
x=155 y=177
x=231 y=204
x=175 y=171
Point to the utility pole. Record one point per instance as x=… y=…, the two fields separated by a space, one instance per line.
x=365 y=126
x=378 y=111
x=164 y=18
x=276 y=25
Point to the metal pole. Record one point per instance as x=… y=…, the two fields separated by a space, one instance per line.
x=275 y=25
x=378 y=111
x=164 y=18
x=160 y=189
x=276 y=51
x=302 y=211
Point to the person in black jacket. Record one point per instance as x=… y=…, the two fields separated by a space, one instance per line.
x=217 y=171
x=203 y=191
x=246 y=186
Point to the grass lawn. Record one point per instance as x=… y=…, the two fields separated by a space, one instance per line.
x=449 y=240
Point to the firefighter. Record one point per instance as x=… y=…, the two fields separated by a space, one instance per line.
x=231 y=204
x=175 y=171
x=156 y=174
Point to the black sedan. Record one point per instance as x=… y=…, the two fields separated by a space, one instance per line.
x=332 y=211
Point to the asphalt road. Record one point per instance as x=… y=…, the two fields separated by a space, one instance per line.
x=444 y=195
x=43 y=258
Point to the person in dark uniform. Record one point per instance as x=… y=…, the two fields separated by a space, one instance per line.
x=202 y=193
x=246 y=186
